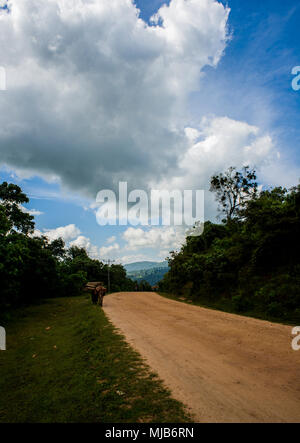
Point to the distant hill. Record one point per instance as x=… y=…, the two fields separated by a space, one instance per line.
x=150 y=271
x=143 y=265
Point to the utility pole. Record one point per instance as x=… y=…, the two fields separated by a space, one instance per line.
x=108 y=262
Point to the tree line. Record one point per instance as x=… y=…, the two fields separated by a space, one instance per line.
x=250 y=261
x=33 y=268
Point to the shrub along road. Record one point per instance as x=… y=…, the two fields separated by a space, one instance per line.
x=223 y=366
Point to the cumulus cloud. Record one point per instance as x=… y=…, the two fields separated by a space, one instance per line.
x=96 y=95
x=215 y=145
x=84 y=242
x=94 y=251
x=218 y=143
x=33 y=212
x=109 y=251
x=158 y=240
x=161 y=238
x=71 y=235
x=67 y=233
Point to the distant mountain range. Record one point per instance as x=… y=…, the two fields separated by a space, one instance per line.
x=150 y=271
x=143 y=265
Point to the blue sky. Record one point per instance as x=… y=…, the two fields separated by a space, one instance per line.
x=248 y=87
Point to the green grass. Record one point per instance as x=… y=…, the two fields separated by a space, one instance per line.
x=224 y=305
x=79 y=370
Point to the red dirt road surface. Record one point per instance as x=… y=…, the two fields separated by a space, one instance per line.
x=224 y=367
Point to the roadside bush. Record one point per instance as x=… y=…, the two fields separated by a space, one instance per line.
x=74 y=284
x=241 y=303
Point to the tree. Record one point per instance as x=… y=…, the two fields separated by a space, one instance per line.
x=57 y=248
x=233 y=189
x=5 y=224
x=11 y=199
x=75 y=251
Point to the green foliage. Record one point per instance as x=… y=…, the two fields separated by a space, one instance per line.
x=240 y=303
x=28 y=270
x=143 y=286
x=5 y=223
x=250 y=262
x=11 y=197
x=233 y=189
x=33 y=268
x=74 y=283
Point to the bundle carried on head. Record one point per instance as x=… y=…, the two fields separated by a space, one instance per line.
x=90 y=286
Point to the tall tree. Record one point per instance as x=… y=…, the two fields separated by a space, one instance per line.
x=12 y=215
x=233 y=189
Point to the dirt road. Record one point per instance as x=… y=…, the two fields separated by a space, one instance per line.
x=224 y=367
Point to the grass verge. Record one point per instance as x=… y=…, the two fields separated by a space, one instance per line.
x=65 y=362
x=224 y=305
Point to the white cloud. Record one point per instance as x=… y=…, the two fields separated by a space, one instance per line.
x=188 y=23
x=71 y=236
x=111 y=251
x=217 y=144
x=95 y=94
x=111 y=239
x=84 y=242
x=161 y=238
x=94 y=251
x=33 y=212
x=67 y=233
